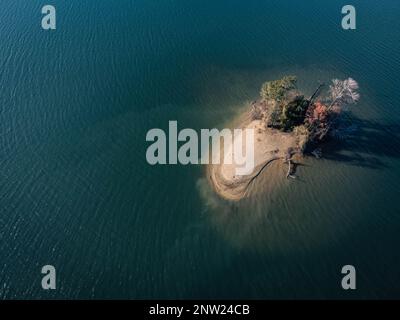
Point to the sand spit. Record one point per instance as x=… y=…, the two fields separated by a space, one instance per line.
x=269 y=145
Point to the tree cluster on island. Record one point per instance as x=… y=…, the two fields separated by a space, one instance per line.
x=284 y=108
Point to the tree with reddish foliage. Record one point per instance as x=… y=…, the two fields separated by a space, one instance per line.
x=320 y=117
x=317 y=112
x=318 y=120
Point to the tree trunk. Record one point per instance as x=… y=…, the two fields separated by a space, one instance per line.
x=315 y=93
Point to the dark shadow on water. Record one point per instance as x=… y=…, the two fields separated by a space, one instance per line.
x=366 y=145
x=279 y=216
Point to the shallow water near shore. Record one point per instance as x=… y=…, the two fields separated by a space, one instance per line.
x=76 y=190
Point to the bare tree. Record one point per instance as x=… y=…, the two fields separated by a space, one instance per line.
x=343 y=92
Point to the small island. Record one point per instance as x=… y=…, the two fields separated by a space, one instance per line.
x=286 y=124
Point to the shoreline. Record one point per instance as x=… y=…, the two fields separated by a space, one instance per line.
x=270 y=145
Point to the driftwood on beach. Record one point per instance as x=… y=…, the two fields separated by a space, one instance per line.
x=260 y=170
x=289 y=172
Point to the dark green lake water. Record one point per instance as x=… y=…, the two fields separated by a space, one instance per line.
x=76 y=191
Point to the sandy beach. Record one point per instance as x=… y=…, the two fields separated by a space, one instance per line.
x=270 y=145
